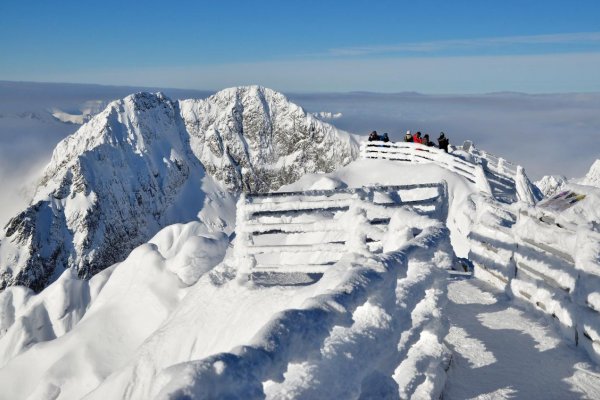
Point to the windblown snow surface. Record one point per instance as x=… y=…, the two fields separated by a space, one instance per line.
x=176 y=319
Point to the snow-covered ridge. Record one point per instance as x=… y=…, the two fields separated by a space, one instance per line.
x=140 y=165
x=246 y=340
x=173 y=320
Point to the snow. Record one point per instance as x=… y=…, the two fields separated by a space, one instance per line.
x=108 y=321
x=145 y=162
x=325 y=115
x=183 y=317
x=550 y=185
x=592 y=178
x=172 y=317
x=372 y=172
x=509 y=353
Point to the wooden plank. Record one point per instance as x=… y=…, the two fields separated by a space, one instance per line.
x=297 y=206
x=532 y=272
x=303 y=268
x=301 y=248
x=318 y=226
x=555 y=252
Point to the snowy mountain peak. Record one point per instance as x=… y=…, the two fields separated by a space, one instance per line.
x=592 y=178
x=252 y=138
x=140 y=164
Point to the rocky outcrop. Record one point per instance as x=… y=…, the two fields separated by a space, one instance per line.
x=254 y=139
x=550 y=185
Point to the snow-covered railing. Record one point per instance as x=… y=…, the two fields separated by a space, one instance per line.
x=494 y=162
x=553 y=267
x=383 y=316
x=418 y=153
x=310 y=231
x=511 y=174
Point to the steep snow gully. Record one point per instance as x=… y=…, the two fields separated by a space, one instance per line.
x=406 y=273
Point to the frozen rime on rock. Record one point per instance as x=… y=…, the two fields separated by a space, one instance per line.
x=592 y=178
x=146 y=162
x=549 y=185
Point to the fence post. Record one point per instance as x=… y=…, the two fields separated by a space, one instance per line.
x=482 y=182
x=523 y=186
x=501 y=162
x=443 y=200
x=356 y=218
x=246 y=262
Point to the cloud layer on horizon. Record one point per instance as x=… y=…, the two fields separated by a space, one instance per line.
x=547 y=134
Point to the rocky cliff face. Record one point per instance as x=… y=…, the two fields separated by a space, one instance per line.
x=254 y=139
x=142 y=164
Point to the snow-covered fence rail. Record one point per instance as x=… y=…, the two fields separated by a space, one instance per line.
x=310 y=231
x=418 y=153
x=508 y=175
x=382 y=318
x=494 y=162
x=553 y=267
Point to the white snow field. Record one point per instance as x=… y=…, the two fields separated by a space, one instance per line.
x=352 y=284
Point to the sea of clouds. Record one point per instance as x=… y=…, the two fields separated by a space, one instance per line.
x=547 y=134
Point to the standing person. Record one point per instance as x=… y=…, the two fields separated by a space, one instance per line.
x=408 y=137
x=417 y=138
x=443 y=142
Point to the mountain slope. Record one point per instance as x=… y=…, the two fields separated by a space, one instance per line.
x=138 y=166
x=107 y=189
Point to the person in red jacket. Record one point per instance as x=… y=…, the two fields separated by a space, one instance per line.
x=417 y=138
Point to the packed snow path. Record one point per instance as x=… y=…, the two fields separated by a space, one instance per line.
x=502 y=351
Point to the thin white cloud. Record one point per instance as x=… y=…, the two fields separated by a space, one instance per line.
x=469 y=44
x=544 y=73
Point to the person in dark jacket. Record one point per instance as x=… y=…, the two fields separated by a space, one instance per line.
x=443 y=142
x=408 y=137
x=385 y=139
x=426 y=141
x=373 y=137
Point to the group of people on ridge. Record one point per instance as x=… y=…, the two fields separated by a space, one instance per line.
x=374 y=137
x=442 y=140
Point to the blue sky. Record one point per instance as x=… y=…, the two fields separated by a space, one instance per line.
x=308 y=46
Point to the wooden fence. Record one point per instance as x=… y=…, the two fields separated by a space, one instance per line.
x=310 y=231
